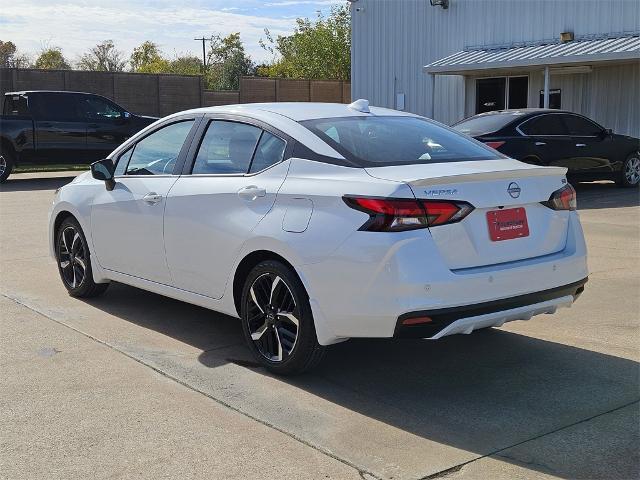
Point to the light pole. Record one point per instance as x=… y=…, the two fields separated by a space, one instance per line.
x=204 y=53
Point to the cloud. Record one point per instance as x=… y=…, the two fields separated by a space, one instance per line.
x=76 y=26
x=285 y=3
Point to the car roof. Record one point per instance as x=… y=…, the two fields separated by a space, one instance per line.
x=300 y=111
x=516 y=111
x=25 y=92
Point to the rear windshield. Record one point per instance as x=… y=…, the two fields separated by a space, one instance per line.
x=380 y=141
x=485 y=124
x=15 y=105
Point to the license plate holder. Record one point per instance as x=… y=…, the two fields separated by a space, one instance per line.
x=507 y=224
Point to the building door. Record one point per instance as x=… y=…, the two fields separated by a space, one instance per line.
x=517 y=91
x=490 y=94
x=501 y=92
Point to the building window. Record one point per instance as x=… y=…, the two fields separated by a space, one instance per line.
x=555 y=98
x=501 y=92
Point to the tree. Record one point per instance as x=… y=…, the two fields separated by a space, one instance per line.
x=227 y=62
x=186 y=65
x=319 y=49
x=52 y=59
x=147 y=58
x=10 y=58
x=104 y=57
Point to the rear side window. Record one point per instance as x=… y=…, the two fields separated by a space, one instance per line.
x=379 y=141
x=157 y=153
x=226 y=148
x=15 y=105
x=582 y=127
x=485 y=124
x=544 y=125
x=269 y=152
x=57 y=107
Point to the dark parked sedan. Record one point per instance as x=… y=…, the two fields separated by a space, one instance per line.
x=555 y=137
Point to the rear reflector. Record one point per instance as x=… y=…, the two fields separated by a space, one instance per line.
x=399 y=214
x=416 y=320
x=563 y=199
x=494 y=145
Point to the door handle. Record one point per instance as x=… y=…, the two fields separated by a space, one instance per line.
x=152 y=198
x=581 y=144
x=539 y=144
x=252 y=192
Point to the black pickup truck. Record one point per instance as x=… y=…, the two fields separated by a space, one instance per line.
x=46 y=127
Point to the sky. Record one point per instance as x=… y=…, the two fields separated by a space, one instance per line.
x=77 y=25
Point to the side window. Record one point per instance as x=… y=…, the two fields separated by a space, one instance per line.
x=98 y=109
x=269 y=152
x=544 y=125
x=227 y=147
x=579 y=126
x=58 y=107
x=123 y=161
x=157 y=153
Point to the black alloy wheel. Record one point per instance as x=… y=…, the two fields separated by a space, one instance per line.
x=277 y=320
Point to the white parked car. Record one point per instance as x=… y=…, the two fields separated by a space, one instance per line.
x=316 y=223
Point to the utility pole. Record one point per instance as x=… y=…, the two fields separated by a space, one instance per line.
x=204 y=53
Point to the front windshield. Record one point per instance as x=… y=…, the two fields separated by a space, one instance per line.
x=381 y=141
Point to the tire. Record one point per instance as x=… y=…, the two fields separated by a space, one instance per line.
x=277 y=320
x=7 y=161
x=74 y=261
x=629 y=176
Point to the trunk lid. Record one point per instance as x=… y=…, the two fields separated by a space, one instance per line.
x=491 y=185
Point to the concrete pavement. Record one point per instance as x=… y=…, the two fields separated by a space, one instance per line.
x=161 y=388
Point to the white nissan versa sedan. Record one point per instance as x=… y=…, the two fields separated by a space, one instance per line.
x=315 y=223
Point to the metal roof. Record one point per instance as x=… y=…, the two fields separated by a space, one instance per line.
x=584 y=52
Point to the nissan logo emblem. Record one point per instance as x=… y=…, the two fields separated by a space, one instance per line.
x=514 y=190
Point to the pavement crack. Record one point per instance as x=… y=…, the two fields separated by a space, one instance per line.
x=362 y=472
x=457 y=468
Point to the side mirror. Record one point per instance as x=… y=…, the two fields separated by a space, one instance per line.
x=608 y=131
x=104 y=170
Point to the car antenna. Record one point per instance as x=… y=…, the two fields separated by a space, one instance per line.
x=360 y=105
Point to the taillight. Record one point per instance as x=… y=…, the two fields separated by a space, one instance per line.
x=494 y=145
x=563 y=199
x=396 y=214
x=443 y=212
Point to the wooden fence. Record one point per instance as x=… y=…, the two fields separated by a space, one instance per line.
x=160 y=94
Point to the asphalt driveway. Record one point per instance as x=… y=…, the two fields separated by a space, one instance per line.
x=134 y=385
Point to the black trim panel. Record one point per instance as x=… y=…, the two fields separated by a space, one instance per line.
x=443 y=317
x=300 y=150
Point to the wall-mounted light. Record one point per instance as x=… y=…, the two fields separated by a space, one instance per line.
x=358 y=9
x=440 y=3
x=566 y=37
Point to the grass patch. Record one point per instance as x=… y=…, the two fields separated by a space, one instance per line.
x=58 y=167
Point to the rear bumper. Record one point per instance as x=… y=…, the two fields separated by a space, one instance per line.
x=467 y=318
x=374 y=279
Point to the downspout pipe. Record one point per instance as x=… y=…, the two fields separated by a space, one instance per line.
x=546 y=86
